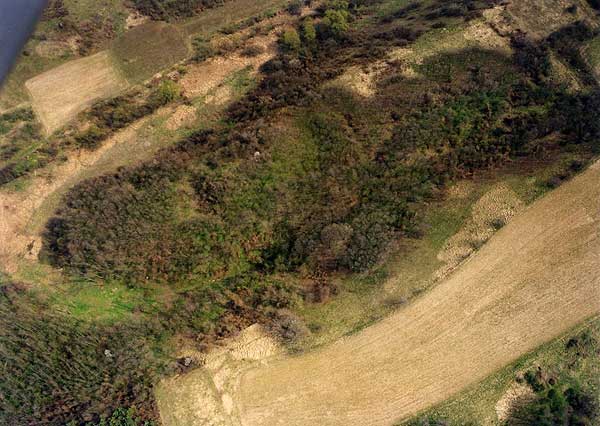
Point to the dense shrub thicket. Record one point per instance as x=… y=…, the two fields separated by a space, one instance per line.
x=228 y=209
x=357 y=194
x=560 y=398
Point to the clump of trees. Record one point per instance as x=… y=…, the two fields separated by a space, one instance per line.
x=481 y=119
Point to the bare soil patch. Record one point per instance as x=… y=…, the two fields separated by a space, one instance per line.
x=60 y=94
x=135 y=19
x=183 y=116
x=203 y=396
x=515 y=396
x=202 y=78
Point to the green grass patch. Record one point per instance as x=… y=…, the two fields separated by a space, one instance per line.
x=562 y=359
x=106 y=302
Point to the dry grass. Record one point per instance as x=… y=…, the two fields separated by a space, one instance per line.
x=60 y=94
x=535 y=279
x=150 y=48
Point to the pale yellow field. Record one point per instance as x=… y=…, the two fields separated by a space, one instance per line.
x=60 y=94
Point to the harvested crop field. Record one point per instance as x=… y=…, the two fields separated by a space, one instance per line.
x=148 y=49
x=536 y=278
x=60 y=94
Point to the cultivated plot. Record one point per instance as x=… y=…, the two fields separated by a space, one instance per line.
x=148 y=49
x=60 y=94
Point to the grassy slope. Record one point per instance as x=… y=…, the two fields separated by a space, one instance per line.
x=148 y=49
x=230 y=13
x=477 y=405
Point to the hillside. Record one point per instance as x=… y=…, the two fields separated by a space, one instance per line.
x=537 y=278
x=172 y=173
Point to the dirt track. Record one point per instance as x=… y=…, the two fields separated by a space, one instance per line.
x=536 y=278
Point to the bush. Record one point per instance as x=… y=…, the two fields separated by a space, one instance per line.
x=91 y=138
x=168 y=91
x=290 y=40
x=336 y=22
x=295 y=7
x=203 y=50
x=252 y=50
x=309 y=33
x=287 y=326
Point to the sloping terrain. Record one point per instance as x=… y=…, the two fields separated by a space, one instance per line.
x=304 y=152
x=535 y=279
